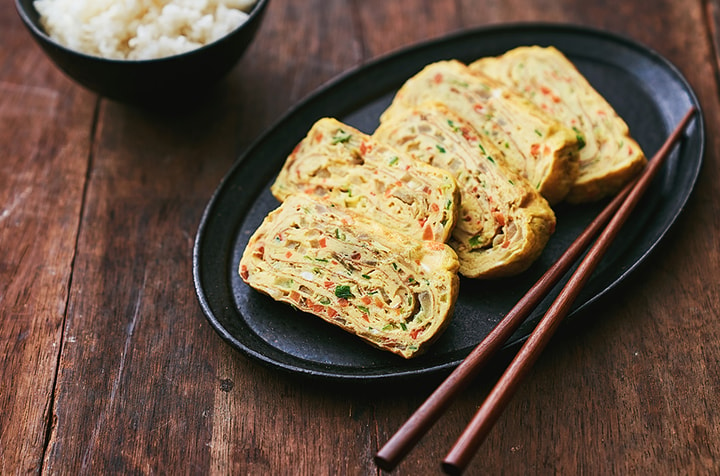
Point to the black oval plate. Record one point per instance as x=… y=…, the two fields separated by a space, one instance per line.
x=645 y=89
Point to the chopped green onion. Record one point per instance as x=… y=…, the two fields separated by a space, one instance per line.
x=341 y=137
x=343 y=291
x=580 y=138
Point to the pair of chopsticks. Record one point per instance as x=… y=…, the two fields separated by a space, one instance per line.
x=616 y=213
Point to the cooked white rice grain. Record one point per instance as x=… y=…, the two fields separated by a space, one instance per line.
x=140 y=29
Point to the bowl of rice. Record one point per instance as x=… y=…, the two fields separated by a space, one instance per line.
x=144 y=50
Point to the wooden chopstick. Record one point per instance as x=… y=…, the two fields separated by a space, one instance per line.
x=460 y=455
x=427 y=414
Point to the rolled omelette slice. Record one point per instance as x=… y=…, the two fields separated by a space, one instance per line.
x=353 y=170
x=609 y=156
x=504 y=222
x=536 y=145
x=395 y=292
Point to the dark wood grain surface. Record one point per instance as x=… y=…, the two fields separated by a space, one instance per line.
x=109 y=366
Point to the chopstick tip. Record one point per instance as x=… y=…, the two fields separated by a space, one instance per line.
x=383 y=463
x=451 y=469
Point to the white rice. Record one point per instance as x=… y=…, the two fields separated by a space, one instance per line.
x=140 y=29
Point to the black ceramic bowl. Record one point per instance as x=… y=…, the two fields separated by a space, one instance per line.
x=174 y=77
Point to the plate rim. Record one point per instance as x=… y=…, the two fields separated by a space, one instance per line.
x=331 y=373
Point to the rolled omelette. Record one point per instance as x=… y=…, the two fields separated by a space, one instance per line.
x=608 y=157
x=504 y=223
x=395 y=292
x=536 y=145
x=353 y=170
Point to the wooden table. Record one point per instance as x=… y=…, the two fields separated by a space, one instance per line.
x=109 y=366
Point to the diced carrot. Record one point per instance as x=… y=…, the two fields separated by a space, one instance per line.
x=427 y=233
x=436 y=245
x=499 y=217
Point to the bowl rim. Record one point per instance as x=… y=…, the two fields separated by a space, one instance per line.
x=255 y=12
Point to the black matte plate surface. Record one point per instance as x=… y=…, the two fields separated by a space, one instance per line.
x=646 y=90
